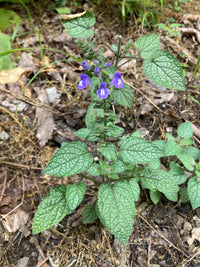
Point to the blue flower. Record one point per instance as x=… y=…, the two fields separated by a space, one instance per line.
x=85 y=80
x=102 y=92
x=97 y=71
x=107 y=64
x=85 y=65
x=117 y=80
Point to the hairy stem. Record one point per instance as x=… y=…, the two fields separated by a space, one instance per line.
x=118 y=51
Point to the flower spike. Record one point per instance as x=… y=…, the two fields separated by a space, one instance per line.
x=85 y=65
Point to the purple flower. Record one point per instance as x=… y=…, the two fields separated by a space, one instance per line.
x=85 y=65
x=102 y=92
x=107 y=65
x=117 y=80
x=97 y=71
x=85 y=80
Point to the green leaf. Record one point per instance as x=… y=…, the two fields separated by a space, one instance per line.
x=51 y=210
x=94 y=170
x=89 y=214
x=173 y=196
x=185 y=130
x=184 y=195
x=118 y=167
x=87 y=134
x=62 y=10
x=81 y=26
x=186 y=142
x=109 y=151
x=194 y=192
x=8 y=17
x=75 y=194
x=91 y=115
x=162 y=26
x=114 y=131
x=116 y=209
x=165 y=70
x=193 y=151
x=123 y=96
x=160 y=144
x=177 y=172
x=187 y=160
x=135 y=189
x=147 y=44
x=170 y=137
x=71 y=158
x=105 y=167
x=155 y=164
x=138 y=150
x=160 y=180
x=136 y=134
x=155 y=196
x=5 y=61
x=82 y=133
x=170 y=148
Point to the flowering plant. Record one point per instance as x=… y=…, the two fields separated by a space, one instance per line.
x=119 y=165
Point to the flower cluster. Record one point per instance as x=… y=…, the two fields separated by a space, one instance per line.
x=102 y=92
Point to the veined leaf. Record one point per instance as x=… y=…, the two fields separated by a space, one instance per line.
x=147 y=44
x=162 y=181
x=165 y=70
x=135 y=189
x=123 y=96
x=138 y=150
x=70 y=159
x=89 y=214
x=177 y=172
x=194 y=192
x=51 y=210
x=75 y=194
x=80 y=26
x=116 y=209
x=185 y=130
x=187 y=160
x=155 y=196
x=109 y=151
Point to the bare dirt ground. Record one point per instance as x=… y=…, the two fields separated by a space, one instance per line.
x=166 y=234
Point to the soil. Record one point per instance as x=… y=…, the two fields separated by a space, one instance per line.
x=166 y=234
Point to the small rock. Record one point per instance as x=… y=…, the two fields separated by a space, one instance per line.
x=187 y=226
x=53 y=95
x=23 y=262
x=4 y=136
x=169 y=129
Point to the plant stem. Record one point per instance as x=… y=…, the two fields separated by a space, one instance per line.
x=118 y=51
x=41 y=48
x=105 y=119
x=104 y=136
x=91 y=179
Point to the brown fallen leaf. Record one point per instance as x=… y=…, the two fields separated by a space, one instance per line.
x=45 y=121
x=72 y=16
x=11 y=76
x=15 y=220
x=147 y=106
x=191 y=31
x=196 y=130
